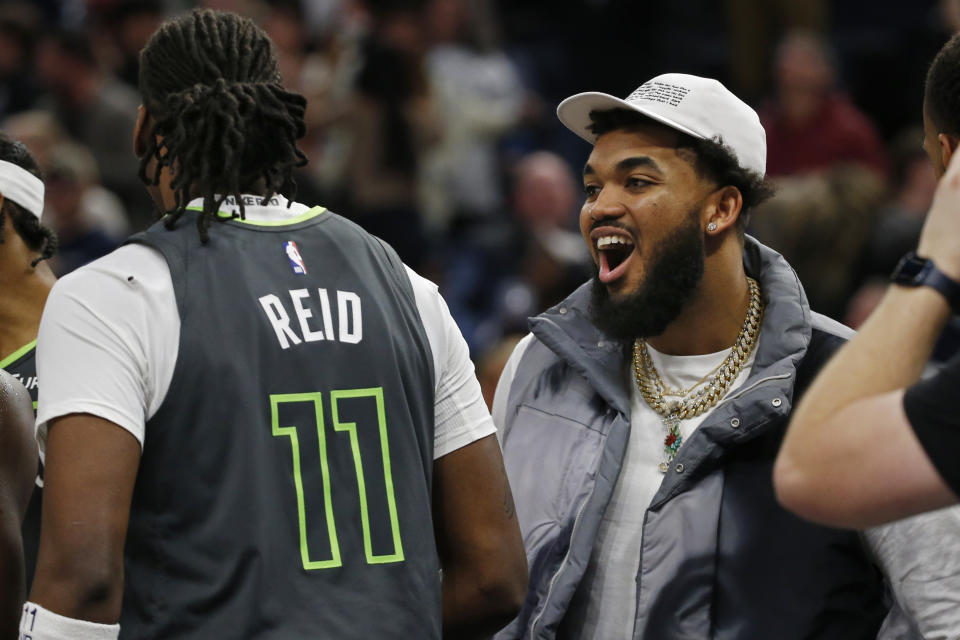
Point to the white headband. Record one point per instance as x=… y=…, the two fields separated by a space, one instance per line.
x=21 y=186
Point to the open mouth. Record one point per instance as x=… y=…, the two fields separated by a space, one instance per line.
x=613 y=252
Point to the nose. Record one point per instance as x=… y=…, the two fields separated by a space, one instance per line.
x=606 y=206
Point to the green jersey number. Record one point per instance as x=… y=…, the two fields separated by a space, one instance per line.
x=350 y=429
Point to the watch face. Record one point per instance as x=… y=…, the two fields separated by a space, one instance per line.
x=910 y=270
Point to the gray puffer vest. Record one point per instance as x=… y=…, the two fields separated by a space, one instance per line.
x=720 y=558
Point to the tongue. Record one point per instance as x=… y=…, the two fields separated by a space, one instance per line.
x=604 y=267
x=607 y=273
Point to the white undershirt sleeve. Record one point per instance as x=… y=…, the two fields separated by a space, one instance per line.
x=460 y=414
x=108 y=341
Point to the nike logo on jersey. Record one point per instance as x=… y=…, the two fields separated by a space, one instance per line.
x=348 y=329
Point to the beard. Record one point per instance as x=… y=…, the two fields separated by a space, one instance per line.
x=674 y=272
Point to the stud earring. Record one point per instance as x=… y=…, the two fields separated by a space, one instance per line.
x=712 y=226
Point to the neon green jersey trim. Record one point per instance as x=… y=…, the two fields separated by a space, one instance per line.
x=312 y=213
x=16 y=355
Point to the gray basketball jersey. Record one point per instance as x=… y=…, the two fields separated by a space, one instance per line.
x=284 y=490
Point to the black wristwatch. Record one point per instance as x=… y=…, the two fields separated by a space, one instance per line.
x=914 y=271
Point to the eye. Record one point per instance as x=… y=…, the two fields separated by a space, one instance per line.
x=591 y=191
x=635 y=182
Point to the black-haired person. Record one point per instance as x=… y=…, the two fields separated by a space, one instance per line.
x=874 y=442
x=659 y=393
x=257 y=422
x=25 y=282
x=25 y=245
x=18 y=468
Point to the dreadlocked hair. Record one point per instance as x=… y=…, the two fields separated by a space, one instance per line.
x=223 y=121
x=35 y=235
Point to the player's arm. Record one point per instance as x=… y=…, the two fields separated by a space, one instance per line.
x=91 y=466
x=478 y=537
x=850 y=456
x=18 y=468
x=94 y=341
x=481 y=551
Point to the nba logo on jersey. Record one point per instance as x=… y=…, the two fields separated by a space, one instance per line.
x=296 y=260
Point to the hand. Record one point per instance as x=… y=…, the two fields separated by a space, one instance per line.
x=940 y=238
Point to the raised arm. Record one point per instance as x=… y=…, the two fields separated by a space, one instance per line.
x=18 y=468
x=851 y=457
x=481 y=551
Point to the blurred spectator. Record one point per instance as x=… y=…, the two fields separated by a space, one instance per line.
x=392 y=121
x=820 y=222
x=810 y=124
x=897 y=231
x=330 y=84
x=499 y=275
x=125 y=26
x=912 y=183
x=53 y=150
x=305 y=72
x=545 y=200
x=98 y=111
x=479 y=97
x=79 y=211
x=19 y=25
x=40 y=131
x=754 y=26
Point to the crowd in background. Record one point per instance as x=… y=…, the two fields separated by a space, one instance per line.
x=431 y=124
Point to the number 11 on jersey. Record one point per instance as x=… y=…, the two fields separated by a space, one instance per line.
x=351 y=429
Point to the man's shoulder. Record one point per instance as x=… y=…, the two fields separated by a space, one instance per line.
x=129 y=262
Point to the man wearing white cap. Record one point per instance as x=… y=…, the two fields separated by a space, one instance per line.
x=25 y=282
x=641 y=418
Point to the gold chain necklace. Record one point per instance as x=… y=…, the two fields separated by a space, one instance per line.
x=694 y=401
x=680 y=393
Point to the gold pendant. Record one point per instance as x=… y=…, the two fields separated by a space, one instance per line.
x=664 y=467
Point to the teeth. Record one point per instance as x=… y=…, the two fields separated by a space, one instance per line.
x=606 y=241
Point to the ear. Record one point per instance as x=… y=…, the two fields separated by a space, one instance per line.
x=140 y=131
x=724 y=210
x=947 y=145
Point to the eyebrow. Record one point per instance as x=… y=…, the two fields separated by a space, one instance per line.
x=627 y=164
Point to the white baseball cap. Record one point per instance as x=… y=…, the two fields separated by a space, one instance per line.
x=700 y=107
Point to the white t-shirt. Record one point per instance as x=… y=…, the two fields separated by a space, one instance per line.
x=611 y=575
x=110 y=333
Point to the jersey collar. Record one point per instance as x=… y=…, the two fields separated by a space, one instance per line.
x=256 y=209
